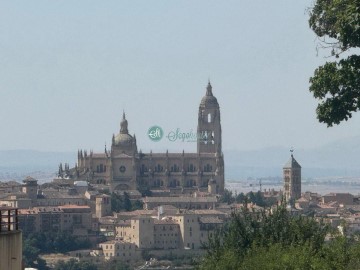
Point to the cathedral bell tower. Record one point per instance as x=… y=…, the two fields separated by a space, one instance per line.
x=209 y=127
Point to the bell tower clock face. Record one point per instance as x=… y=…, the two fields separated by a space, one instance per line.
x=122 y=169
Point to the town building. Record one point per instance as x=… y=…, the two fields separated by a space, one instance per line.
x=72 y=218
x=117 y=249
x=341 y=198
x=185 y=229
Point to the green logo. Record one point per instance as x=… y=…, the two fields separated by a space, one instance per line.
x=155 y=133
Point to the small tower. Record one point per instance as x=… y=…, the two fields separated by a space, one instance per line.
x=103 y=206
x=30 y=187
x=209 y=127
x=292 y=179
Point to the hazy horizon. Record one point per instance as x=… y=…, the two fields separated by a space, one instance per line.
x=69 y=69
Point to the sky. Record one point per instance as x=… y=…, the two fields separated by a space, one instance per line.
x=69 y=69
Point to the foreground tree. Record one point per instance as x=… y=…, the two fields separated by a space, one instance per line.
x=337 y=84
x=75 y=265
x=278 y=240
x=249 y=233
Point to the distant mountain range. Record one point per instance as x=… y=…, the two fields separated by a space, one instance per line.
x=340 y=158
x=337 y=159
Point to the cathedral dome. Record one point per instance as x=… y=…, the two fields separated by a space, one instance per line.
x=123 y=139
x=209 y=100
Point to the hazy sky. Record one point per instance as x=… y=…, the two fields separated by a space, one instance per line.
x=69 y=68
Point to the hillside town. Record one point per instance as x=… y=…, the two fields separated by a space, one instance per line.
x=132 y=206
x=166 y=224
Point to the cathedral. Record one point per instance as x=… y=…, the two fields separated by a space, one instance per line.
x=125 y=168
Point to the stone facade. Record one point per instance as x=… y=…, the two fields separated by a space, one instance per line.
x=123 y=251
x=183 y=230
x=124 y=168
x=72 y=218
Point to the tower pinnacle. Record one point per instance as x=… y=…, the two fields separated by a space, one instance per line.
x=209 y=89
x=124 y=125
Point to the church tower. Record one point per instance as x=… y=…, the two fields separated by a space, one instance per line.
x=209 y=127
x=292 y=179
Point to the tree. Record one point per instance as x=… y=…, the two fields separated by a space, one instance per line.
x=227 y=197
x=123 y=203
x=240 y=198
x=31 y=256
x=250 y=233
x=48 y=242
x=337 y=84
x=75 y=265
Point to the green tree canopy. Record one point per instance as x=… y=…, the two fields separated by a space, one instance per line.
x=249 y=233
x=123 y=203
x=75 y=265
x=337 y=84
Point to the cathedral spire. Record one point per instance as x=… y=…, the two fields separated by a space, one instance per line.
x=124 y=125
x=209 y=89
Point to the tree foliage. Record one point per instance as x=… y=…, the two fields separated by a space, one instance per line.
x=258 y=238
x=278 y=240
x=49 y=242
x=75 y=265
x=337 y=84
x=227 y=197
x=251 y=197
x=123 y=203
x=31 y=257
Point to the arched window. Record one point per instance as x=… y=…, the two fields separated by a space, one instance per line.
x=209 y=118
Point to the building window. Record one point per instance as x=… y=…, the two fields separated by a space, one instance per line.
x=207 y=168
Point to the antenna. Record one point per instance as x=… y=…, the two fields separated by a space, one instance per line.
x=292 y=150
